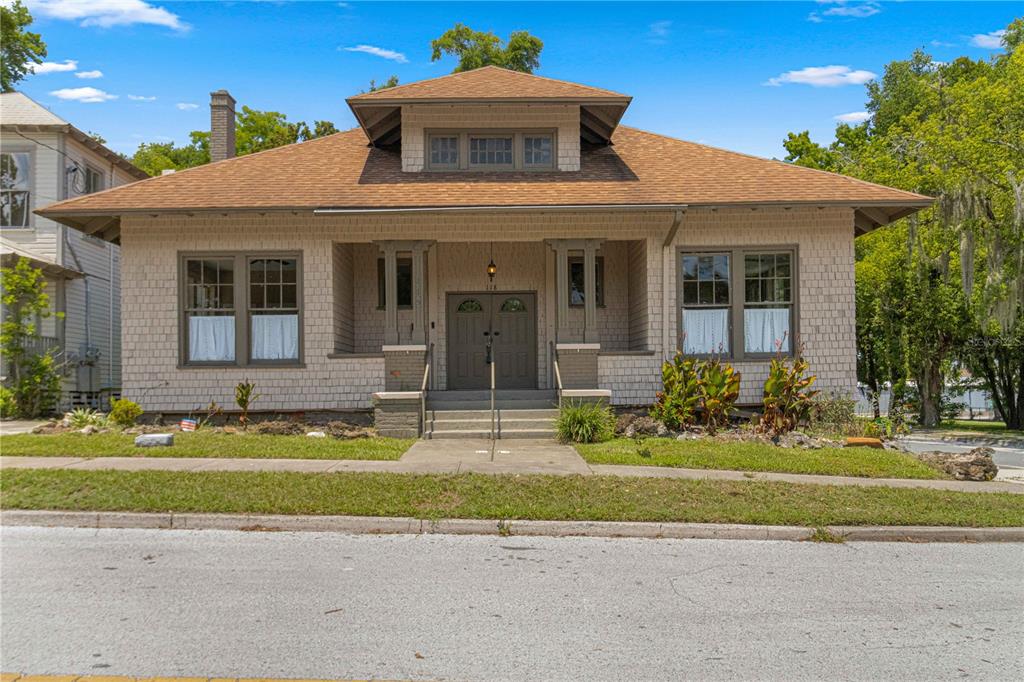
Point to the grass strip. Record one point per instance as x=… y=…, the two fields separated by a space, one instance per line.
x=708 y=454
x=992 y=428
x=203 y=444
x=475 y=496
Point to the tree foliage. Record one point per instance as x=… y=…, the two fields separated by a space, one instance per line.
x=19 y=48
x=475 y=49
x=942 y=291
x=255 y=131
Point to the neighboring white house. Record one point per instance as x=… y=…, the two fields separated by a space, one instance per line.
x=45 y=159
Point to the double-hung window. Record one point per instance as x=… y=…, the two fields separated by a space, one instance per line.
x=241 y=309
x=15 y=189
x=737 y=303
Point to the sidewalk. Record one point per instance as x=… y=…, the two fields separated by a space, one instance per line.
x=523 y=457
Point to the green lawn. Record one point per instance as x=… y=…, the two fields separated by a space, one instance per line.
x=477 y=496
x=705 y=454
x=204 y=444
x=987 y=428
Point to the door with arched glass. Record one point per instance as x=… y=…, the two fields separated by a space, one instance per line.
x=492 y=326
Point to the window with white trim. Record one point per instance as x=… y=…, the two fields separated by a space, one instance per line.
x=93 y=180
x=15 y=189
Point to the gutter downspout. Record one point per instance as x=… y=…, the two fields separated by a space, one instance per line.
x=666 y=267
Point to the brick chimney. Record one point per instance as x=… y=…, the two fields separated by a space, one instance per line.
x=222 y=125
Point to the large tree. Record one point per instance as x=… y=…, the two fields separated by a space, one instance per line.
x=19 y=48
x=942 y=290
x=255 y=131
x=478 y=48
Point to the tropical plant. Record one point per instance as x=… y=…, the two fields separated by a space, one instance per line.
x=8 y=406
x=720 y=388
x=81 y=417
x=245 y=396
x=583 y=422
x=676 y=405
x=788 y=396
x=124 y=412
x=33 y=378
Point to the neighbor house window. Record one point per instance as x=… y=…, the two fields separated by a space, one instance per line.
x=15 y=189
x=241 y=309
x=706 y=296
x=93 y=180
x=490 y=151
x=538 y=151
x=404 y=276
x=444 y=151
x=737 y=303
x=577 y=281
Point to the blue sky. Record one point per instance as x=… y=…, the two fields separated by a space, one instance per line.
x=733 y=75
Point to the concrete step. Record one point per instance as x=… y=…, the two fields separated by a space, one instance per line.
x=485 y=395
x=538 y=404
x=509 y=434
x=439 y=435
x=507 y=413
x=505 y=434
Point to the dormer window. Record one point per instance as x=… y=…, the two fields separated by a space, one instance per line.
x=490 y=150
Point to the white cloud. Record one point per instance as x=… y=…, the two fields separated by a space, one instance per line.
x=107 y=13
x=859 y=9
x=823 y=76
x=853 y=117
x=658 y=32
x=140 y=98
x=83 y=95
x=186 y=106
x=89 y=74
x=379 y=52
x=989 y=41
x=54 y=67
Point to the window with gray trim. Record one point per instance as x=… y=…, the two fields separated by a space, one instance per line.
x=491 y=150
x=15 y=189
x=538 y=151
x=241 y=309
x=444 y=151
x=737 y=303
x=93 y=180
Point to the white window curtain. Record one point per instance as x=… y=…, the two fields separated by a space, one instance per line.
x=275 y=337
x=705 y=331
x=211 y=338
x=763 y=328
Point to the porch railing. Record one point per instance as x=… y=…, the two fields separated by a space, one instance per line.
x=558 y=373
x=423 y=387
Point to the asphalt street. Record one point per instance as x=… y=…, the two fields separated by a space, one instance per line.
x=238 y=604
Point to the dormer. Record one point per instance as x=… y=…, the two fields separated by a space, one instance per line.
x=489 y=119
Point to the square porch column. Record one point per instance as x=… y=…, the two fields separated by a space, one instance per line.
x=591 y=334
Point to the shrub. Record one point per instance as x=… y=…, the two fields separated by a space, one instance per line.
x=835 y=415
x=80 y=417
x=720 y=388
x=584 y=423
x=245 y=396
x=8 y=406
x=124 y=412
x=787 y=396
x=676 y=406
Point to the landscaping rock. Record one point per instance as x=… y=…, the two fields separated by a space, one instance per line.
x=317 y=434
x=857 y=442
x=89 y=430
x=152 y=440
x=975 y=465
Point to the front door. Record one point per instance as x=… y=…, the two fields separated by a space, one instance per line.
x=492 y=326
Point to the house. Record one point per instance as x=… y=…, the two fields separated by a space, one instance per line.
x=45 y=159
x=485 y=223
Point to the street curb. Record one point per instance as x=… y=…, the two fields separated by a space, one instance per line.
x=405 y=525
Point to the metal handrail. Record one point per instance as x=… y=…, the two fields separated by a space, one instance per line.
x=492 y=399
x=423 y=387
x=558 y=373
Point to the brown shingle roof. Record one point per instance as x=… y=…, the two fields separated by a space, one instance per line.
x=489 y=82
x=341 y=171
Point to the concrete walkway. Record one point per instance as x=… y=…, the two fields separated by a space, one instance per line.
x=485 y=457
x=9 y=427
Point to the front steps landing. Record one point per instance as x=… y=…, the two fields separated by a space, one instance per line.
x=519 y=414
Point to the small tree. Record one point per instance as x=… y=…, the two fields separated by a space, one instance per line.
x=33 y=378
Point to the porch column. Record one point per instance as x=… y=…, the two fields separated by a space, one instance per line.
x=390 y=251
x=419 y=308
x=562 y=290
x=591 y=334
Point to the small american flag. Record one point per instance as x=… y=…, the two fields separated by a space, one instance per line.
x=189 y=424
